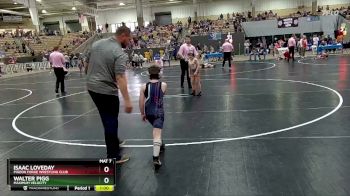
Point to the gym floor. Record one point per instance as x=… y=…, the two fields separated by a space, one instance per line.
x=261 y=128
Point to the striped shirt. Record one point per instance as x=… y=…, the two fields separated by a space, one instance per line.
x=57 y=59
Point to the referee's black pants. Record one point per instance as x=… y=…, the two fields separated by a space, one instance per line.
x=291 y=52
x=184 y=70
x=59 y=73
x=227 y=57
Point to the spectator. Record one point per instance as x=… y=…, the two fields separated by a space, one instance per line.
x=303 y=46
x=316 y=40
x=198 y=47
x=246 y=47
x=66 y=58
x=189 y=20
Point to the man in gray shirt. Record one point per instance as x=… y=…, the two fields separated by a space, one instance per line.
x=105 y=66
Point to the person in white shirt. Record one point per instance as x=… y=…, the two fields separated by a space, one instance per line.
x=315 y=40
x=246 y=47
x=135 y=60
x=66 y=59
x=141 y=60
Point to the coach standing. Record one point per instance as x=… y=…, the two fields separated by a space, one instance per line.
x=57 y=62
x=227 y=49
x=184 y=50
x=291 y=46
x=106 y=64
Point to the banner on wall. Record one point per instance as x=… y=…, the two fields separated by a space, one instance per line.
x=214 y=36
x=12 y=18
x=313 y=18
x=287 y=22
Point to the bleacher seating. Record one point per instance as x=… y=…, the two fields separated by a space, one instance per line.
x=154 y=36
x=71 y=41
x=12 y=51
x=45 y=43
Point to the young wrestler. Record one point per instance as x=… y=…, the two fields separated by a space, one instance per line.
x=194 y=69
x=152 y=110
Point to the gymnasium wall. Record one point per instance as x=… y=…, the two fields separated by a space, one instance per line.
x=60 y=19
x=116 y=16
x=326 y=24
x=25 y=24
x=213 y=10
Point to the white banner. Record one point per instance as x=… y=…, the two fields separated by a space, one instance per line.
x=12 y=18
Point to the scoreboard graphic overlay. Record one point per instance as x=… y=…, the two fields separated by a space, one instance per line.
x=61 y=174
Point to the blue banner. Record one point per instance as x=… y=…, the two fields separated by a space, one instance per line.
x=214 y=36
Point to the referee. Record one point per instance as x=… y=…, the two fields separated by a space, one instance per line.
x=57 y=62
x=106 y=64
x=183 y=52
x=227 y=49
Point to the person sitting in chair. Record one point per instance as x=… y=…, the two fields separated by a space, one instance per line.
x=257 y=51
x=261 y=51
x=253 y=52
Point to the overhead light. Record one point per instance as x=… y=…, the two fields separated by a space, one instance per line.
x=15 y=3
x=121 y=4
x=43 y=11
x=74 y=8
x=171 y=0
x=38 y=0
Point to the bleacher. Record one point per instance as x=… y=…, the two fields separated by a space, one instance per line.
x=12 y=50
x=223 y=26
x=67 y=41
x=46 y=43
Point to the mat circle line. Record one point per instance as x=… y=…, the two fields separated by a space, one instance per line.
x=25 y=96
x=144 y=73
x=73 y=79
x=301 y=62
x=187 y=143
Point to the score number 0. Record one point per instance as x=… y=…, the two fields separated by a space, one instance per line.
x=106 y=179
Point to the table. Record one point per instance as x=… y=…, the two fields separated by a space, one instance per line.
x=281 y=52
x=214 y=55
x=329 y=47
